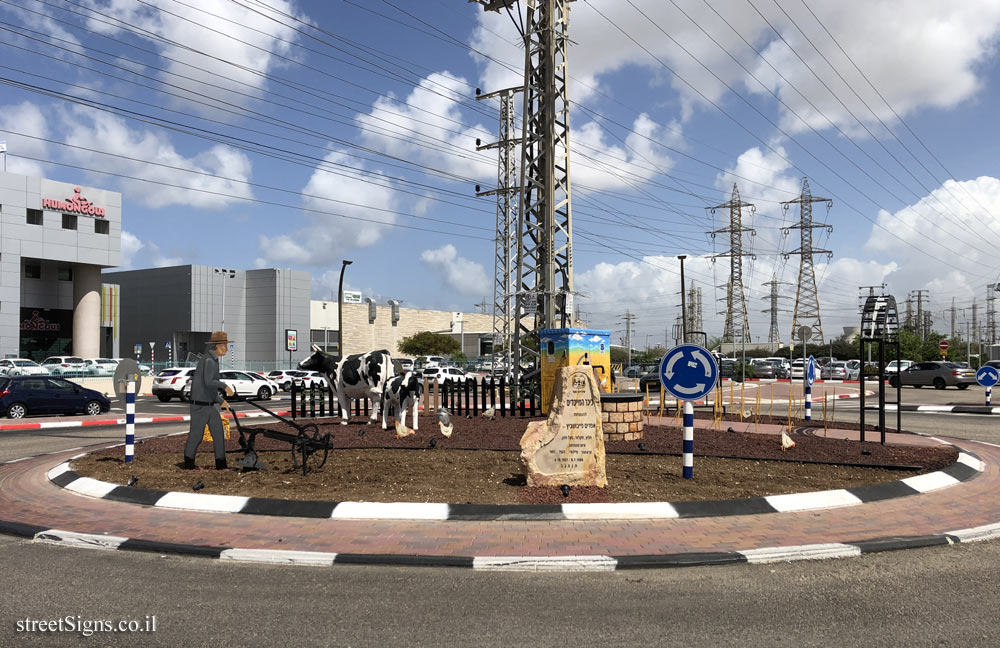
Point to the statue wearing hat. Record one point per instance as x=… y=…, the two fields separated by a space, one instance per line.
x=205 y=386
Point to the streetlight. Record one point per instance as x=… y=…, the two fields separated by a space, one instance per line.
x=683 y=302
x=340 y=309
x=230 y=274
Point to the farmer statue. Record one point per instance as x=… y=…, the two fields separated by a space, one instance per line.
x=205 y=388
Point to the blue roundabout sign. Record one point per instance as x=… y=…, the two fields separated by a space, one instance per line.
x=811 y=371
x=688 y=372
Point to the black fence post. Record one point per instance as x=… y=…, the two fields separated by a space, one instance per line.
x=520 y=402
x=503 y=396
x=312 y=401
x=294 y=392
x=322 y=401
x=365 y=402
x=533 y=403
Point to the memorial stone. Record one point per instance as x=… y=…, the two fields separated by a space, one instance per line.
x=568 y=447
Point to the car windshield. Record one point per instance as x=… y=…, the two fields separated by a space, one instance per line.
x=25 y=363
x=169 y=372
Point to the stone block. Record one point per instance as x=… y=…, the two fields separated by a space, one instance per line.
x=616 y=417
x=604 y=417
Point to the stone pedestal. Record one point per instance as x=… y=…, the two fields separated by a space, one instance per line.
x=621 y=415
x=568 y=447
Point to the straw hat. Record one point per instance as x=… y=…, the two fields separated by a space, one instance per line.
x=218 y=337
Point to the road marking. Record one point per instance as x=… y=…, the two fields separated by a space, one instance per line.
x=544 y=563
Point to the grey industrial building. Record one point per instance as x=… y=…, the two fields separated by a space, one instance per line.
x=172 y=311
x=55 y=238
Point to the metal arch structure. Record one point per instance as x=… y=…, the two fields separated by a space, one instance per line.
x=507 y=189
x=880 y=325
x=737 y=328
x=544 y=251
x=806 y=312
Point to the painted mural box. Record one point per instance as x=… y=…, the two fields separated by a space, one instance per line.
x=568 y=347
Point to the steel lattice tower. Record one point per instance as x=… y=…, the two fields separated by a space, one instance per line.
x=773 y=335
x=737 y=327
x=504 y=277
x=544 y=252
x=806 y=312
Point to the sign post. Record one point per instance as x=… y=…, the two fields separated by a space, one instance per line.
x=943 y=345
x=152 y=356
x=291 y=343
x=138 y=350
x=688 y=372
x=810 y=375
x=988 y=377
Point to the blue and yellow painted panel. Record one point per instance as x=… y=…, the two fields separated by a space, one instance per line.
x=572 y=346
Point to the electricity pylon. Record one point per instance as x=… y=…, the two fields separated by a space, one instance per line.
x=504 y=277
x=544 y=251
x=773 y=335
x=737 y=327
x=806 y=312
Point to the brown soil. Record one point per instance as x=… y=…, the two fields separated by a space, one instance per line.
x=480 y=464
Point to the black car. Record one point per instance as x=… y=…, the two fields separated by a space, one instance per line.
x=650 y=380
x=22 y=396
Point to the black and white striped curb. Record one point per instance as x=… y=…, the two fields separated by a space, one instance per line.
x=941 y=409
x=966 y=467
x=507 y=563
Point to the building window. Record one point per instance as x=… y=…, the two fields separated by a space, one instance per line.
x=34 y=217
x=69 y=221
x=65 y=272
x=32 y=271
x=101 y=226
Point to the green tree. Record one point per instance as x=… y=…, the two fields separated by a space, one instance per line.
x=427 y=343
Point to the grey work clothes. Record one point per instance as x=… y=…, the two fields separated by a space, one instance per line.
x=205 y=394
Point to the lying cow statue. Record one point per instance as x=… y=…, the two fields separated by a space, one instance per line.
x=362 y=375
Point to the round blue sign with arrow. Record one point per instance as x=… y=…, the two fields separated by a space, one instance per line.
x=688 y=372
x=811 y=371
x=988 y=376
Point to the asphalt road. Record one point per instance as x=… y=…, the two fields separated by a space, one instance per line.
x=937 y=597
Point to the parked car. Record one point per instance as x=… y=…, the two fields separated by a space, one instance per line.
x=286 y=377
x=311 y=379
x=405 y=364
x=853 y=369
x=58 y=365
x=22 y=396
x=445 y=373
x=427 y=362
x=937 y=373
x=170 y=382
x=650 y=379
x=245 y=384
x=275 y=387
x=993 y=363
x=21 y=367
x=893 y=368
x=144 y=369
x=99 y=367
x=834 y=371
x=822 y=361
x=797 y=370
x=768 y=370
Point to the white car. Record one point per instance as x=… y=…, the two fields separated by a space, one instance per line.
x=99 y=366
x=303 y=378
x=893 y=368
x=21 y=367
x=453 y=374
x=59 y=365
x=275 y=387
x=144 y=369
x=247 y=385
x=311 y=379
x=171 y=382
x=798 y=369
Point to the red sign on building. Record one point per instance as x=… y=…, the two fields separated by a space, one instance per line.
x=77 y=204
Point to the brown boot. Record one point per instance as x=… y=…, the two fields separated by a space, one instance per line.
x=220 y=464
x=189 y=464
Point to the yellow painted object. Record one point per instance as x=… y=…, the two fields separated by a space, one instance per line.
x=741 y=402
x=567 y=347
x=678 y=406
x=207 y=436
x=770 y=401
x=825 y=425
x=756 y=412
x=663 y=398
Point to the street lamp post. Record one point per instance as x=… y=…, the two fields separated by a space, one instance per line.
x=683 y=302
x=230 y=274
x=340 y=309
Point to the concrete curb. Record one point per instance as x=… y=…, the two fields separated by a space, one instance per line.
x=49 y=425
x=940 y=409
x=967 y=467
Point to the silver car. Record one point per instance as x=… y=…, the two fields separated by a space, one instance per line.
x=934 y=373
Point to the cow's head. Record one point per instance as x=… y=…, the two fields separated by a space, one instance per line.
x=320 y=361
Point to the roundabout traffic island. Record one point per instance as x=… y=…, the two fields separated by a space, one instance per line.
x=480 y=464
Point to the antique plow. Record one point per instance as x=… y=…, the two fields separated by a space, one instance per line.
x=308 y=447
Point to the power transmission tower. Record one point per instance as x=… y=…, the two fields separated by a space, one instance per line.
x=504 y=277
x=544 y=256
x=806 y=312
x=737 y=327
x=773 y=336
x=629 y=318
x=694 y=320
x=954 y=313
x=908 y=322
x=920 y=324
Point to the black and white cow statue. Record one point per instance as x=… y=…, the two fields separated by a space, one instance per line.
x=402 y=391
x=362 y=375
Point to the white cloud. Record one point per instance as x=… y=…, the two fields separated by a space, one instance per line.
x=917 y=53
x=130 y=245
x=365 y=196
x=150 y=257
x=212 y=29
x=91 y=129
x=19 y=124
x=458 y=273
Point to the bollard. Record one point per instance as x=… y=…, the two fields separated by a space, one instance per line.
x=129 y=421
x=688 y=440
x=808 y=402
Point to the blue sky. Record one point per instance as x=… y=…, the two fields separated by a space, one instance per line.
x=297 y=134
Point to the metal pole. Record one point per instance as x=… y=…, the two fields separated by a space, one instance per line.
x=899 y=390
x=683 y=302
x=864 y=366
x=688 y=470
x=881 y=389
x=340 y=312
x=130 y=421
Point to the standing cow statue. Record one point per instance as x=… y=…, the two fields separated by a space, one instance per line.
x=362 y=375
x=402 y=391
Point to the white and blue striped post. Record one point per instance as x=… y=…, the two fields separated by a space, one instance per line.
x=688 y=440
x=809 y=401
x=129 y=421
x=989 y=394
